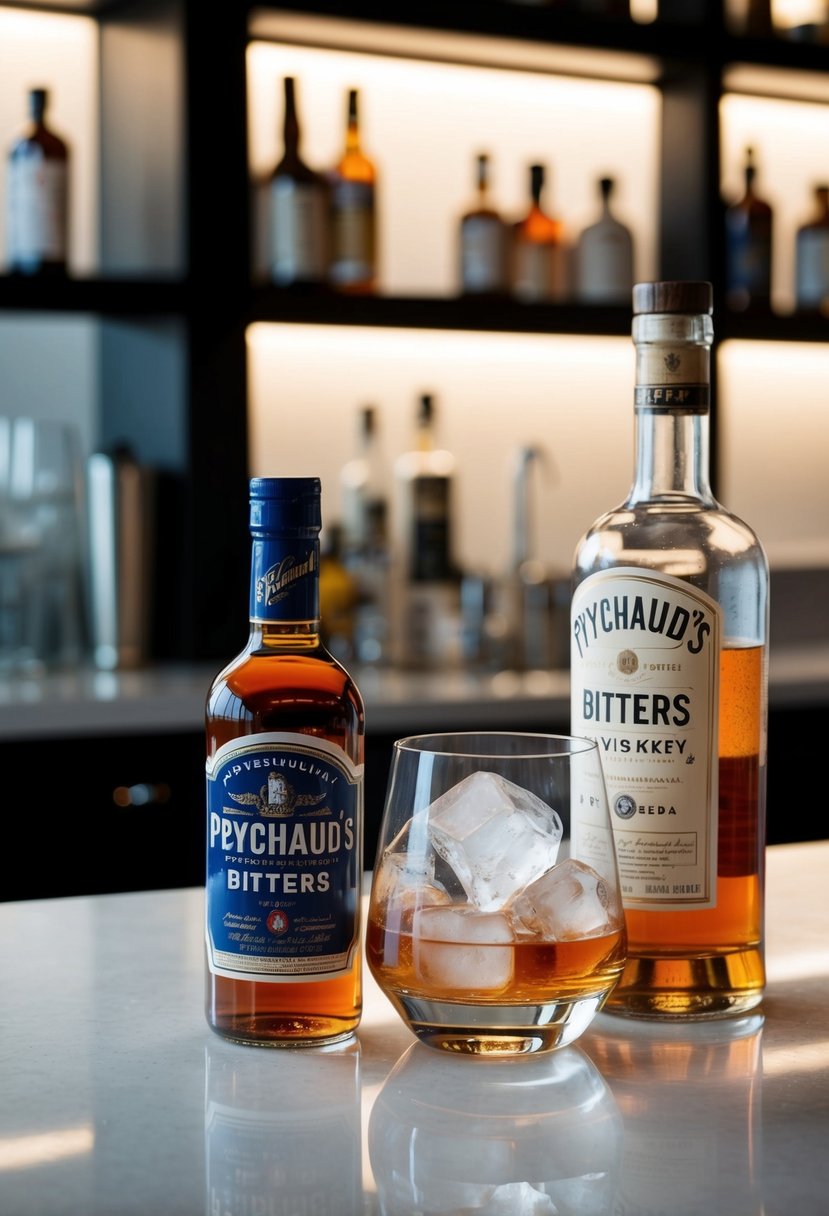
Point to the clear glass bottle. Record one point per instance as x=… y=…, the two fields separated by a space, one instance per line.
x=353 y=184
x=366 y=550
x=748 y=246
x=285 y=727
x=482 y=240
x=669 y=656
x=604 y=255
x=299 y=218
x=812 y=257
x=37 y=195
x=425 y=607
x=538 y=255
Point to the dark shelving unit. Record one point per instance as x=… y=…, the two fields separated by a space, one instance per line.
x=196 y=295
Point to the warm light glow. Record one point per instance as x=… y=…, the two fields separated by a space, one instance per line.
x=571 y=396
x=425 y=122
x=44 y=1148
x=774 y=442
x=788 y=14
x=791 y=1061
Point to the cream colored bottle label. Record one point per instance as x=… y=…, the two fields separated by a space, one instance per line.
x=645 y=685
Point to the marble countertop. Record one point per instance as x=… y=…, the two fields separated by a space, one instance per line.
x=171 y=697
x=116 y=1098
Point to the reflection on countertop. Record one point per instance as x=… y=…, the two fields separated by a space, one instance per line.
x=117 y=1097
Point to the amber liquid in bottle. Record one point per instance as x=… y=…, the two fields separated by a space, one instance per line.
x=354 y=212
x=538 y=262
x=286 y=681
x=670 y=675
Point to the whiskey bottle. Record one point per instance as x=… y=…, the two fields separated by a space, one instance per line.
x=426 y=587
x=37 y=195
x=539 y=268
x=748 y=246
x=298 y=210
x=482 y=241
x=353 y=184
x=669 y=633
x=812 y=257
x=285 y=734
x=604 y=255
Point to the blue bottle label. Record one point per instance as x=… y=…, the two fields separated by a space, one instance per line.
x=285 y=582
x=284 y=848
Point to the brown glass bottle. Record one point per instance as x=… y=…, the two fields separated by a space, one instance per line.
x=285 y=734
x=299 y=243
x=538 y=254
x=354 y=212
x=482 y=240
x=748 y=246
x=38 y=190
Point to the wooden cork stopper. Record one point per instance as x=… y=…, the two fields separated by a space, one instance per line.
x=685 y=296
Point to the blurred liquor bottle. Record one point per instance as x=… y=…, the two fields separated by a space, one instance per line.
x=299 y=209
x=539 y=268
x=426 y=587
x=353 y=183
x=482 y=240
x=364 y=509
x=604 y=255
x=812 y=257
x=338 y=595
x=748 y=246
x=37 y=190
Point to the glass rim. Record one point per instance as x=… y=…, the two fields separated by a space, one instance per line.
x=451 y=744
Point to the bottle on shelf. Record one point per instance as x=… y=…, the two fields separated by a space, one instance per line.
x=812 y=257
x=748 y=246
x=604 y=255
x=669 y=660
x=299 y=209
x=37 y=191
x=482 y=240
x=285 y=728
x=353 y=183
x=365 y=519
x=426 y=586
x=538 y=255
x=339 y=595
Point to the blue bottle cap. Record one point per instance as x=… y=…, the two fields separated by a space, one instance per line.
x=286 y=505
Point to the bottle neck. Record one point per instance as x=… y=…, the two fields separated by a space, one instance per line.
x=284 y=584
x=290 y=122
x=352 y=126
x=672 y=401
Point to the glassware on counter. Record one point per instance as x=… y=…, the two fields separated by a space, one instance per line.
x=495 y=922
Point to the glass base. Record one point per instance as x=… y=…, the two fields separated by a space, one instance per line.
x=498 y=1030
x=678 y=989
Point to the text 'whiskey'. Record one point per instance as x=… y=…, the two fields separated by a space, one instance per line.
x=285 y=728
x=669 y=627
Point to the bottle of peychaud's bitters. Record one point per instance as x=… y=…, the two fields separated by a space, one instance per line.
x=285 y=735
x=669 y=630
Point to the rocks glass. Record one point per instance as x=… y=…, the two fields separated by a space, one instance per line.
x=495 y=922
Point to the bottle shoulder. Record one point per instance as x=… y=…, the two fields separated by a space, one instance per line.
x=264 y=675
x=660 y=535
